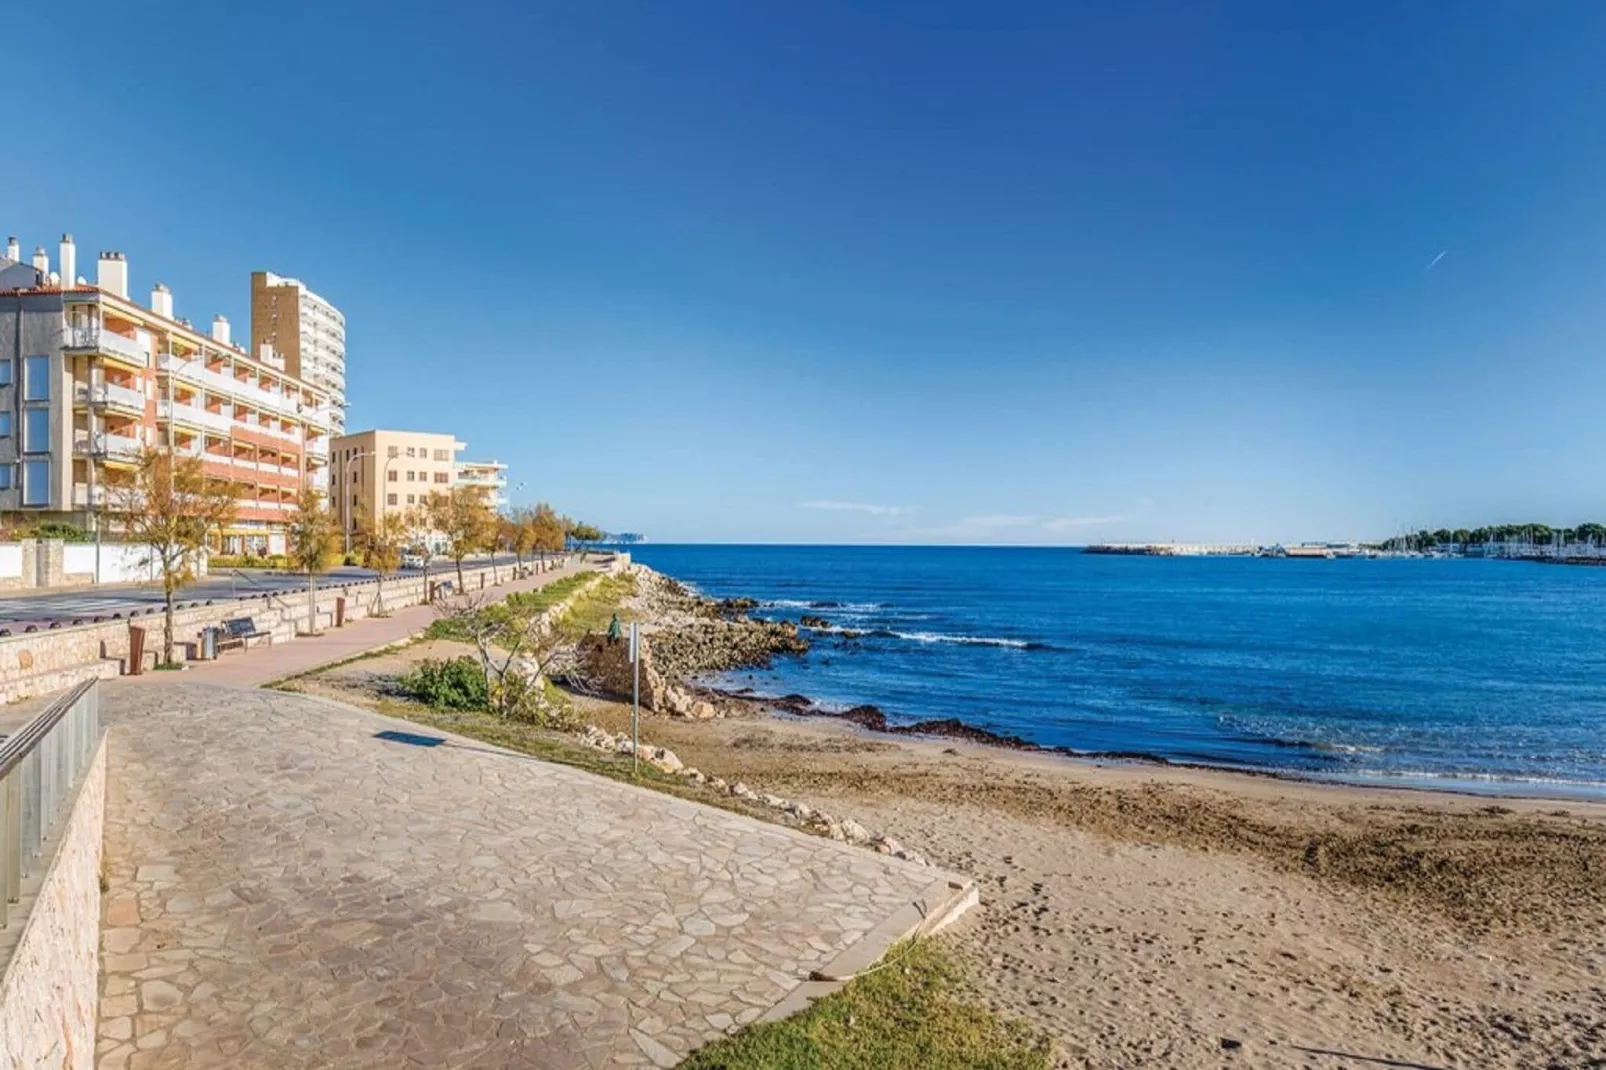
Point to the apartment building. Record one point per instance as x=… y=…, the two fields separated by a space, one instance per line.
x=487 y=476
x=306 y=331
x=378 y=472
x=89 y=377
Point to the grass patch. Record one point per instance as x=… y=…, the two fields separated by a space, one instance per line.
x=906 y=1015
x=593 y=610
x=531 y=602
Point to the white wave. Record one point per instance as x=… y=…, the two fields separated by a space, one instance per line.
x=784 y=603
x=962 y=640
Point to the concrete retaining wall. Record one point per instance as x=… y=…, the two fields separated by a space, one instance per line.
x=39 y=662
x=48 y=997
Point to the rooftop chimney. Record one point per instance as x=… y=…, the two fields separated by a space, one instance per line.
x=162 y=301
x=41 y=261
x=220 y=330
x=113 y=277
x=69 y=261
x=13 y=250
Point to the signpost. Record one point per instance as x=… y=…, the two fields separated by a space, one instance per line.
x=635 y=698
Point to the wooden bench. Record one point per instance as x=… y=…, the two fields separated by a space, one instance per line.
x=239 y=632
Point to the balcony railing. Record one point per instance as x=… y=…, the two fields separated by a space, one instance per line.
x=97 y=339
x=107 y=445
x=181 y=413
x=85 y=496
x=194 y=371
x=107 y=393
x=318 y=449
x=39 y=766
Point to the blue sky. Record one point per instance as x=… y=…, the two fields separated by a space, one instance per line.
x=889 y=272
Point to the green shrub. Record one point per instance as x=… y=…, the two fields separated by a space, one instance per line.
x=55 y=529
x=455 y=684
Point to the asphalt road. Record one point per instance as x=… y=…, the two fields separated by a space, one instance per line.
x=87 y=603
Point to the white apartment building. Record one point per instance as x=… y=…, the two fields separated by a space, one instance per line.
x=306 y=331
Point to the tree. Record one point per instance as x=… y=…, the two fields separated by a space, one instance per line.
x=309 y=544
x=380 y=545
x=519 y=647
x=583 y=533
x=519 y=532
x=464 y=518
x=548 y=529
x=170 y=507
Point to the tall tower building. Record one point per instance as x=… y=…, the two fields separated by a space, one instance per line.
x=306 y=331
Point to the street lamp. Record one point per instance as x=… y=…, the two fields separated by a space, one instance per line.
x=345 y=499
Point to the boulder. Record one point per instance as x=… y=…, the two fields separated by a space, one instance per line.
x=855 y=832
x=703 y=710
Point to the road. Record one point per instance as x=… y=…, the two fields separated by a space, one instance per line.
x=87 y=603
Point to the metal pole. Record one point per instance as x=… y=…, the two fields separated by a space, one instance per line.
x=635 y=698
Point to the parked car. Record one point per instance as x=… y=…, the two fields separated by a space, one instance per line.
x=415 y=559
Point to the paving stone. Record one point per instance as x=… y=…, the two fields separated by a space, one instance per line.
x=290 y=889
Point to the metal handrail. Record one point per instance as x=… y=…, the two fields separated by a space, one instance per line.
x=39 y=765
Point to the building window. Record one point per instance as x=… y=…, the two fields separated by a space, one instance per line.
x=36 y=384
x=35 y=430
x=5 y=477
x=390 y=499
x=5 y=371
x=411 y=452
x=412 y=477
x=394 y=451
x=440 y=477
x=443 y=455
x=35 y=482
x=390 y=477
x=354 y=501
x=5 y=425
x=411 y=500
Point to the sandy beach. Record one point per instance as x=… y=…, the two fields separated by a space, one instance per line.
x=1152 y=916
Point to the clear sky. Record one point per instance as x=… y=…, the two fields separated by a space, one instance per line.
x=870 y=272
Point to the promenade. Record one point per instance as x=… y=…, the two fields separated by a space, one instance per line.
x=297 y=883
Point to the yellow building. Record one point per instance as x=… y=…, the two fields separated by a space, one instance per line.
x=377 y=472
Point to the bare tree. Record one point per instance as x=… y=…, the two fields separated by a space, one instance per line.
x=380 y=545
x=310 y=544
x=170 y=507
x=519 y=649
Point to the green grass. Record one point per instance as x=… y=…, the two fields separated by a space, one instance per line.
x=908 y=1014
x=537 y=601
x=593 y=610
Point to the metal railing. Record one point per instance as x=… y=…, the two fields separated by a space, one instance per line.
x=39 y=766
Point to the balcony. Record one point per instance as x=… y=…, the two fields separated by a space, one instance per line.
x=113 y=447
x=85 y=497
x=92 y=338
x=481 y=479
x=108 y=394
x=197 y=373
x=318 y=449
x=189 y=414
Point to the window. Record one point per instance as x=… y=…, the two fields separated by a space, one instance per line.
x=5 y=371
x=5 y=425
x=36 y=384
x=394 y=451
x=443 y=455
x=411 y=452
x=440 y=477
x=390 y=477
x=390 y=499
x=5 y=477
x=35 y=482
x=411 y=500
x=35 y=430
x=354 y=501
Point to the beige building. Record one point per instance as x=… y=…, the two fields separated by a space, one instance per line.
x=377 y=472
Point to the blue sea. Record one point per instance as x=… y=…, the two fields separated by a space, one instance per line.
x=1467 y=674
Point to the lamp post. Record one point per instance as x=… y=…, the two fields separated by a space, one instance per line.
x=345 y=499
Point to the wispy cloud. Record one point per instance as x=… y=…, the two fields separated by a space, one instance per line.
x=998 y=520
x=1435 y=261
x=1068 y=523
x=859 y=507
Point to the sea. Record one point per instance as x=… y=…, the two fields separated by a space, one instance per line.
x=1474 y=675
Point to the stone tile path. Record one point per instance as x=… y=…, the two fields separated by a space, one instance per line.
x=290 y=889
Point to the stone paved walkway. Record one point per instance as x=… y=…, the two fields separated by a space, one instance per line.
x=289 y=888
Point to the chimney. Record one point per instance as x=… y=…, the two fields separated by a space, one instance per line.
x=113 y=277
x=13 y=250
x=162 y=301
x=220 y=330
x=69 y=261
x=41 y=262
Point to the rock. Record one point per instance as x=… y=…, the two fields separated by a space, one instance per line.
x=624 y=746
x=817 y=623
x=854 y=832
x=717 y=783
x=703 y=710
x=833 y=830
x=1231 y=1044
x=774 y=802
x=887 y=845
x=802 y=811
x=742 y=791
x=666 y=760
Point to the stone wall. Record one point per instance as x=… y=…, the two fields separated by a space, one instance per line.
x=48 y=659
x=48 y=993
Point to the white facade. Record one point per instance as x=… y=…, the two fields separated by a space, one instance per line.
x=323 y=345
